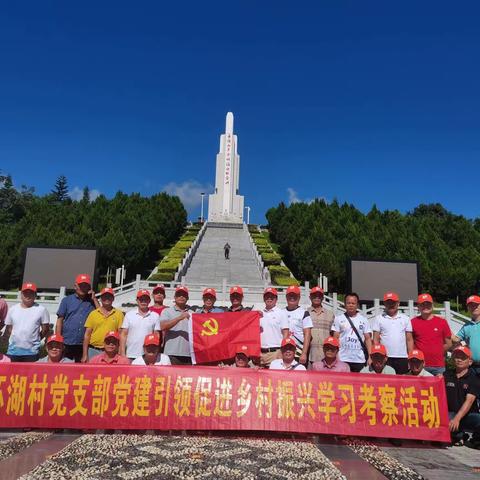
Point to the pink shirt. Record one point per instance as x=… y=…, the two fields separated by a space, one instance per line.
x=4 y=358
x=105 y=360
x=336 y=366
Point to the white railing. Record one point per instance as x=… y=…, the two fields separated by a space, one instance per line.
x=253 y=296
x=187 y=260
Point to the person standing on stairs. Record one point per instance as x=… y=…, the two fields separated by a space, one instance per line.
x=226 y=249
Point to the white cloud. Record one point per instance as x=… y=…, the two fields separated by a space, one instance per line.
x=77 y=194
x=189 y=192
x=294 y=198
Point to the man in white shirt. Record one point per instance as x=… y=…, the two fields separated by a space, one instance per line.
x=394 y=330
x=137 y=324
x=354 y=349
x=272 y=322
x=299 y=324
x=151 y=352
x=287 y=362
x=26 y=323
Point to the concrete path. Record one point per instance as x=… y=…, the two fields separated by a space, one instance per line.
x=209 y=266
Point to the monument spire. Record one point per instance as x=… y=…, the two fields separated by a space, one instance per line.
x=225 y=205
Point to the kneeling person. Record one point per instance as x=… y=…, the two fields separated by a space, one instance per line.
x=110 y=355
x=151 y=352
x=287 y=362
x=379 y=358
x=55 y=350
x=416 y=364
x=330 y=361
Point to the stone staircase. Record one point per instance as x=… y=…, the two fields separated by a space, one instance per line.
x=209 y=266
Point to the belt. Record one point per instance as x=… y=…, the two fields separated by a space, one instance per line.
x=266 y=350
x=95 y=348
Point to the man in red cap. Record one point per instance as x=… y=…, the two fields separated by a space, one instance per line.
x=431 y=335
x=242 y=357
x=152 y=352
x=354 y=332
x=470 y=333
x=394 y=330
x=273 y=322
x=137 y=324
x=236 y=299
x=55 y=350
x=463 y=392
x=287 y=362
x=26 y=323
x=299 y=323
x=330 y=362
x=99 y=322
x=379 y=359
x=110 y=355
x=416 y=362
x=158 y=294
x=174 y=325
x=322 y=321
x=72 y=314
x=209 y=297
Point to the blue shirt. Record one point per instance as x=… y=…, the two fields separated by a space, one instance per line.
x=74 y=311
x=471 y=334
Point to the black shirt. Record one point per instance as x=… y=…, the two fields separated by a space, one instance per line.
x=458 y=388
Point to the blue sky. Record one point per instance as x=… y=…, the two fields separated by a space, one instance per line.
x=366 y=102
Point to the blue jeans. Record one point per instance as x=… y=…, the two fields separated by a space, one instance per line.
x=469 y=423
x=435 y=370
x=92 y=352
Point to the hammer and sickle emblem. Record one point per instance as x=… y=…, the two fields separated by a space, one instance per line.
x=210 y=327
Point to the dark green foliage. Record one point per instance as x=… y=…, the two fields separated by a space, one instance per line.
x=60 y=190
x=320 y=237
x=127 y=229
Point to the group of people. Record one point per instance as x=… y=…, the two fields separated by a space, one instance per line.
x=295 y=338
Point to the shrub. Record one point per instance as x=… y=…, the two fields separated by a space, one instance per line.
x=284 y=281
x=279 y=270
x=162 y=277
x=271 y=258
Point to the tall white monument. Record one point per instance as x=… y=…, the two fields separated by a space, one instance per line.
x=225 y=205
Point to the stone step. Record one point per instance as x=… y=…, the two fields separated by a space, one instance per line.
x=209 y=265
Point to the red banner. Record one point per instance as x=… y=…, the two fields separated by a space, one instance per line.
x=214 y=398
x=216 y=336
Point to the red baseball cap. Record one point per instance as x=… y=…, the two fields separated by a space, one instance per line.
x=151 y=339
x=391 y=296
x=288 y=341
x=473 y=299
x=424 y=297
x=316 y=290
x=271 y=290
x=29 y=286
x=464 y=349
x=332 y=341
x=112 y=334
x=242 y=349
x=83 y=278
x=107 y=290
x=210 y=291
x=55 y=338
x=418 y=354
x=378 y=348
x=159 y=288
x=236 y=289
x=182 y=288
x=143 y=293
x=295 y=289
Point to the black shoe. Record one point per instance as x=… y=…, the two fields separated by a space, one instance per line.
x=475 y=444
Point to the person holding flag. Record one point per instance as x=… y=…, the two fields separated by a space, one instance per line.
x=236 y=299
x=174 y=323
x=209 y=297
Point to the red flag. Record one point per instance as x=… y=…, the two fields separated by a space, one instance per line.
x=216 y=336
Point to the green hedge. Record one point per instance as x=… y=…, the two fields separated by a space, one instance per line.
x=279 y=270
x=271 y=258
x=162 y=277
x=284 y=281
